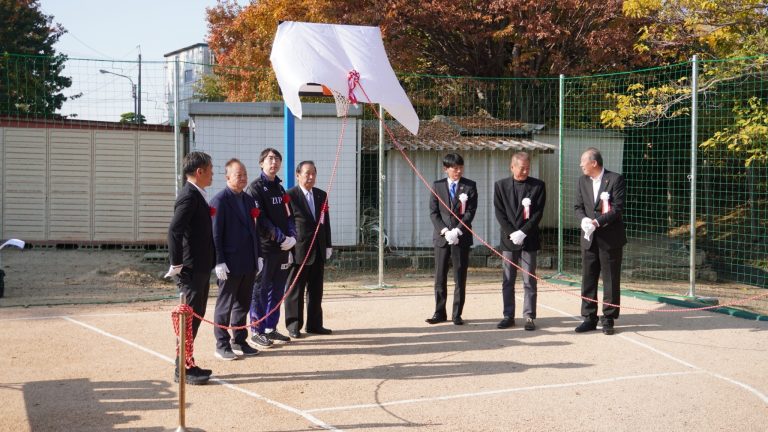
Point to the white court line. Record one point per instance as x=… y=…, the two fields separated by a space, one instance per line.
x=759 y=394
x=695 y=370
x=314 y=420
x=101 y=315
x=502 y=391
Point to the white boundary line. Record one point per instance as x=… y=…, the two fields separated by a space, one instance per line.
x=760 y=395
x=305 y=413
x=314 y=420
x=502 y=391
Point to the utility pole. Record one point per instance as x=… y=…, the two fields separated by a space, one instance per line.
x=138 y=105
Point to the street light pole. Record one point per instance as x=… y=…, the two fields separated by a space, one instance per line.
x=136 y=118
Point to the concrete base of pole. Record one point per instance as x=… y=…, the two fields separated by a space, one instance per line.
x=378 y=286
x=706 y=300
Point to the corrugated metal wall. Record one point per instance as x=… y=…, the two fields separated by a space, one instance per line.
x=81 y=185
x=316 y=138
x=407 y=217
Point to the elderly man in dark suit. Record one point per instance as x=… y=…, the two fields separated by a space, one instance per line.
x=599 y=207
x=190 y=245
x=309 y=209
x=451 y=239
x=519 y=206
x=237 y=253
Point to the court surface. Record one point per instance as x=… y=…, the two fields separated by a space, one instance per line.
x=110 y=367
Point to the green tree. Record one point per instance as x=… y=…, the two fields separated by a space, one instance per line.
x=130 y=117
x=30 y=69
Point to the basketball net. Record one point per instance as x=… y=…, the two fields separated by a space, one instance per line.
x=342 y=104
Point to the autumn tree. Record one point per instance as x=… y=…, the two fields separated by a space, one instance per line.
x=242 y=38
x=733 y=29
x=31 y=78
x=497 y=38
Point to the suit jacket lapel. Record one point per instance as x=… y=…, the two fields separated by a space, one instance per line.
x=235 y=206
x=517 y=200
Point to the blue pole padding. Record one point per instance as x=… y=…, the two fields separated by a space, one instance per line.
x=289 y=156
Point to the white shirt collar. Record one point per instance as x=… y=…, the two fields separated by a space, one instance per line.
x=202 y=191
x=304 y=191
x=599 y=177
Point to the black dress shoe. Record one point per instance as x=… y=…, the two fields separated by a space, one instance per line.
x=607 y=324
x=587 y=325
x=193 y=376
x=203 y=371
x=295 y=334
x=320 y=331
x=458 y=321
x=436 y=319
x=507 y=322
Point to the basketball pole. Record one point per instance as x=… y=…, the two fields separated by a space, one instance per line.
x=289 y=141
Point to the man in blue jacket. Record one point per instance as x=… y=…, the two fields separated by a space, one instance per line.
x=237 y=253
x=277 y=233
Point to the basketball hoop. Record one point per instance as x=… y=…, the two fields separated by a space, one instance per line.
x=319 y=90
x=342 y=104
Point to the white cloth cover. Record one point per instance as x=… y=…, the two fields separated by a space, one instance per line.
x=304 y=53
x=13 y=242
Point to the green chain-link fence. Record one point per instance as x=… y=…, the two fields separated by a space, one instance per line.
x=641 y=121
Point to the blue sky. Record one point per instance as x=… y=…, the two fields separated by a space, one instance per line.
x=110 y=29
x=108 y=35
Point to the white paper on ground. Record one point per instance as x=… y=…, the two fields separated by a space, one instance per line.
x=305 y=53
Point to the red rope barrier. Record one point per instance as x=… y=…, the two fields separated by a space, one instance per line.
x=186 y=310
x=499 y=254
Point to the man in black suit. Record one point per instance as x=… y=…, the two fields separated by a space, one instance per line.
x=519 y=205
x=451 y=239
x=237 y=253
x=309 y=210
x=190 y=246
x=599 y=206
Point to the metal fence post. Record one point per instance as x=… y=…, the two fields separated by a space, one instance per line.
x=694 y=145
x=560 y=141
x=177 y=151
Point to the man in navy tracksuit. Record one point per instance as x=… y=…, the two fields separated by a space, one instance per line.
x=277 y=233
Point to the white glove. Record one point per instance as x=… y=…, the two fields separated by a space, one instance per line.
x=328 y=253
x=451 y=237
x=221 y=271
x=587 y=227
x=457 y=231
x=518 y=237
x=288 y=243
x=260 y=264
x=443 y=231
x=173 y=271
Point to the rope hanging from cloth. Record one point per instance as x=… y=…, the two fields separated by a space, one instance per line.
x=353 y=80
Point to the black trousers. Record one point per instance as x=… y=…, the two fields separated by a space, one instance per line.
x=598 y=262
x=459 y=257
x=232 y=308
x=310 y=282
x=195 y=286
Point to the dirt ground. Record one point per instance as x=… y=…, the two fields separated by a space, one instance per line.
x=97 y=367
x=36 y=277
